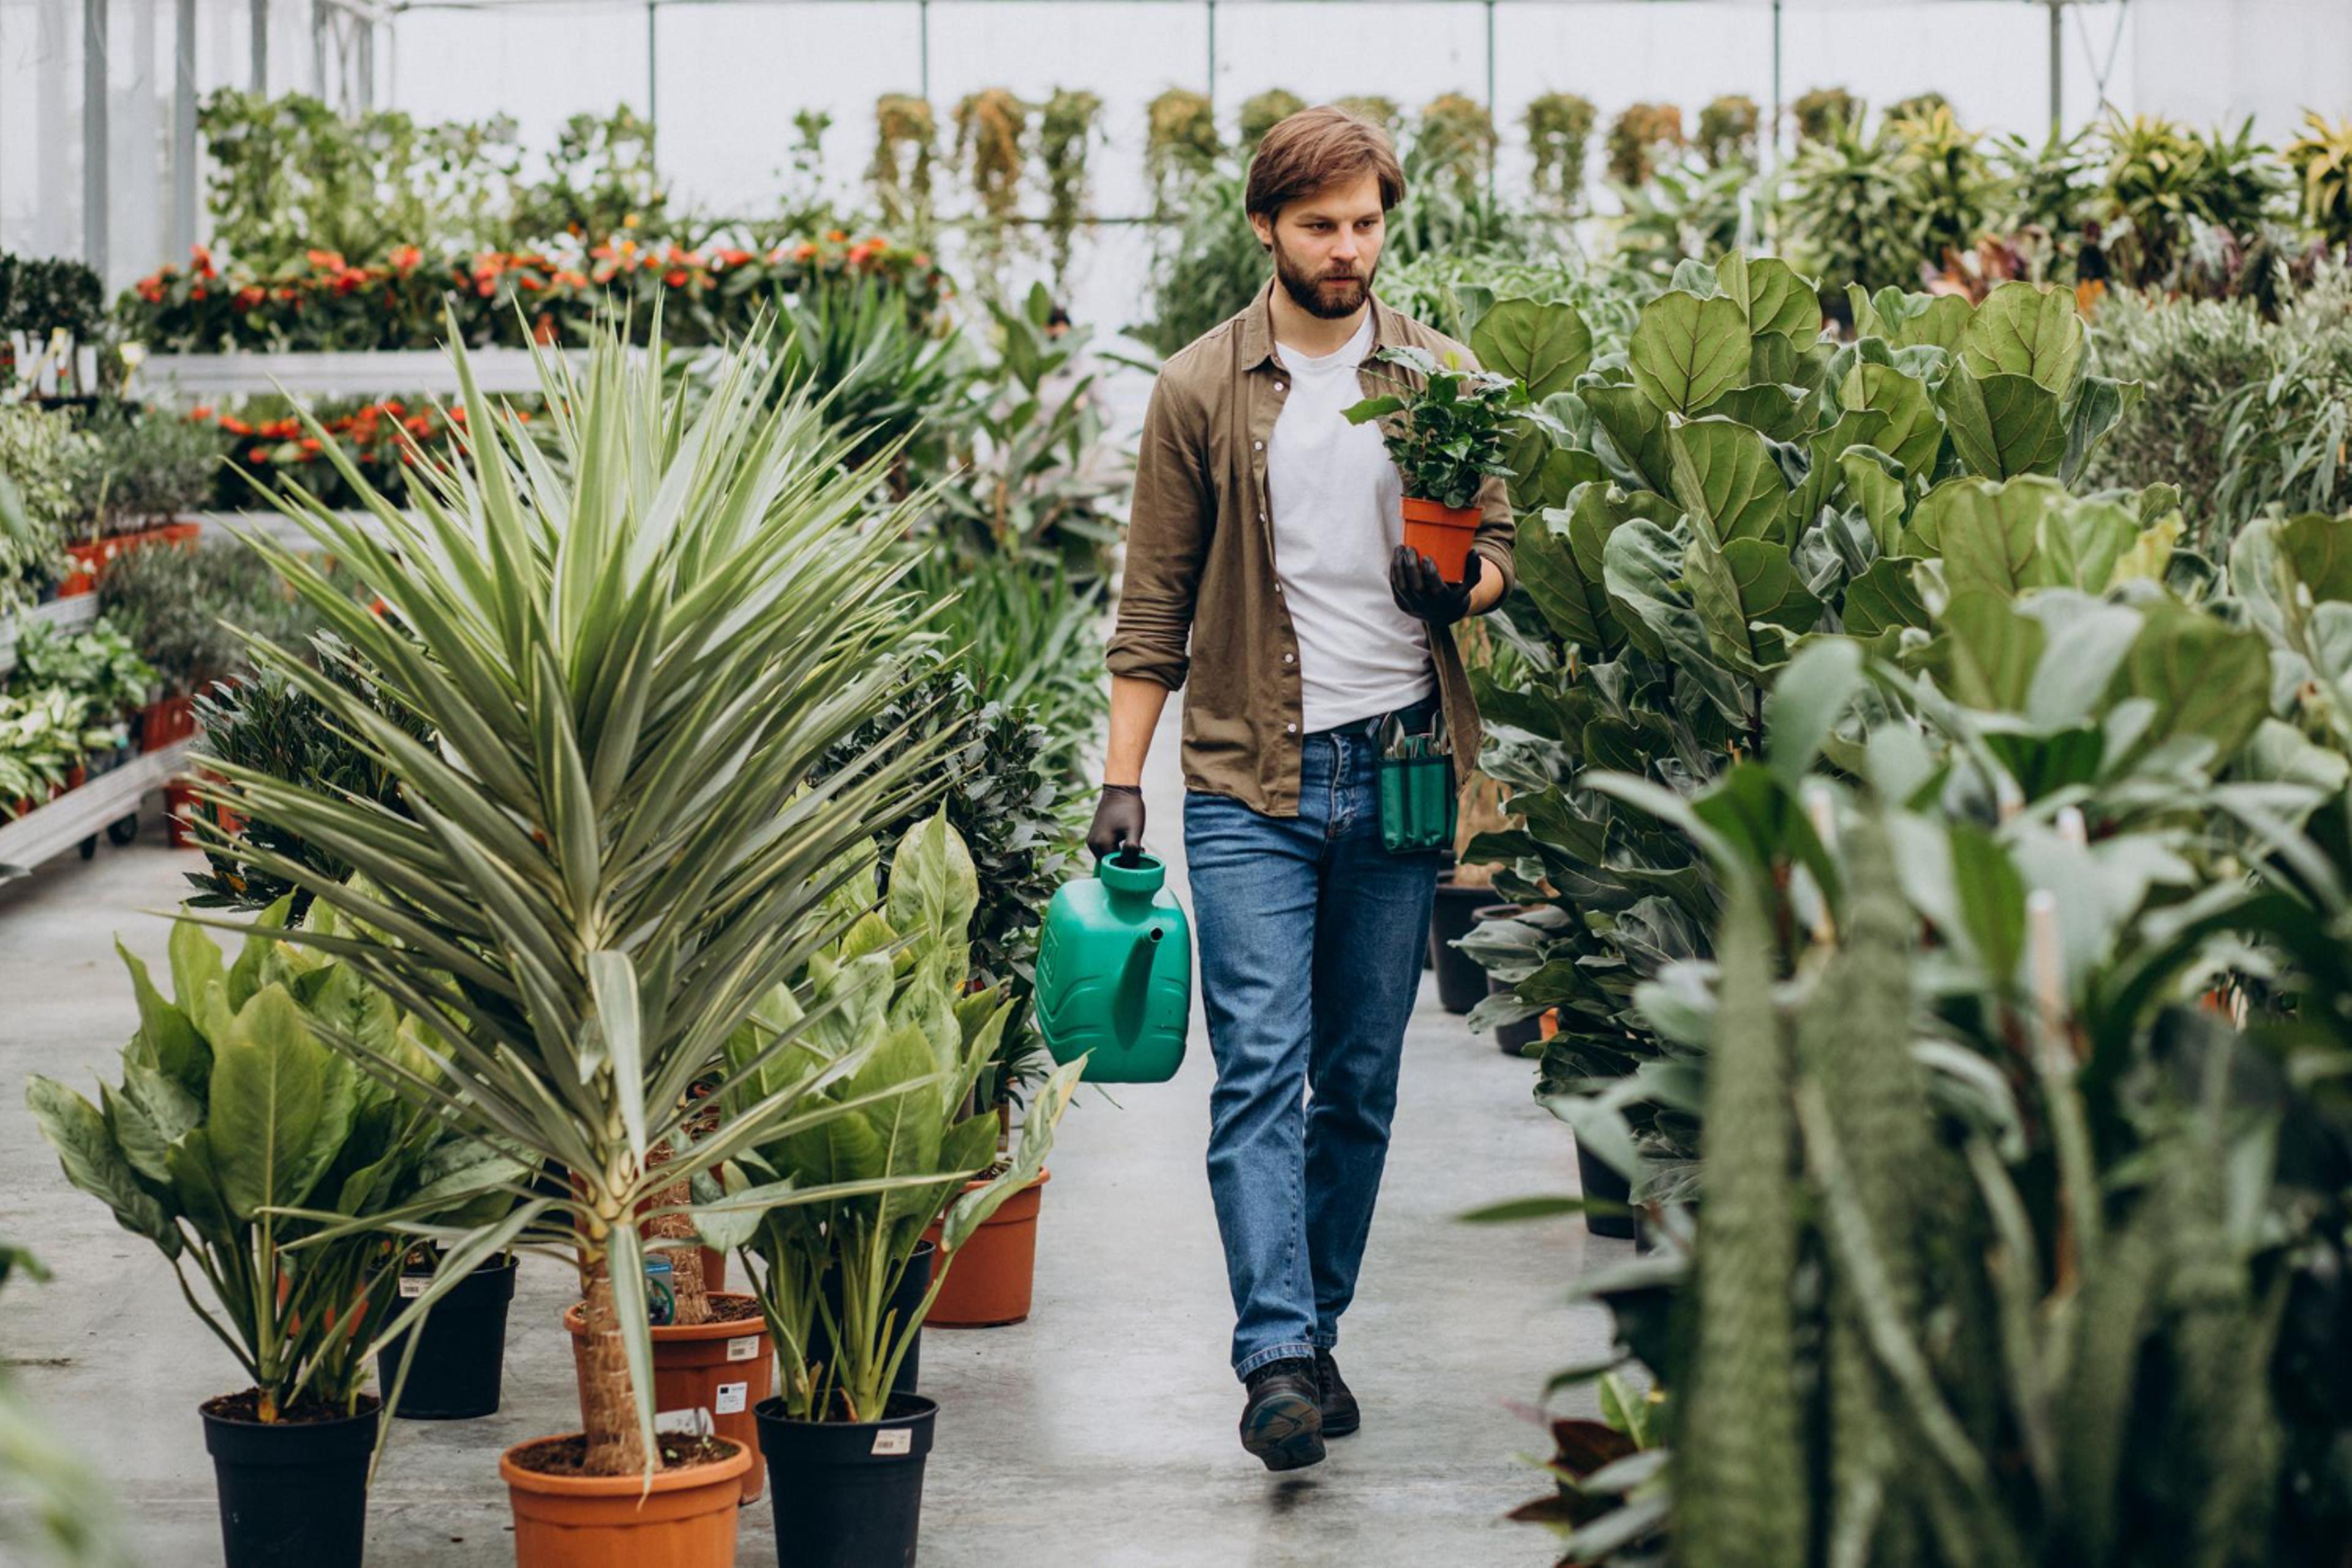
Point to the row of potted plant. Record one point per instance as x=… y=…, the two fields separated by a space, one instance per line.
x=75 y=704
x=694 y=1025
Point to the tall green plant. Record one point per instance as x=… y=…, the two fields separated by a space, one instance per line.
x=637 y=647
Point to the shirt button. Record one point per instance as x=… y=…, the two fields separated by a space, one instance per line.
x=1257 y=446
x=1290 y=729
x=1289 y=658
x=1278 y=386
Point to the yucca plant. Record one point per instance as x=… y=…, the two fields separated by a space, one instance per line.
x=632 y=647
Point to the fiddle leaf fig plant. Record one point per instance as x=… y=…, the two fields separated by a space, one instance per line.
x=1444 y=428
x=895 y=984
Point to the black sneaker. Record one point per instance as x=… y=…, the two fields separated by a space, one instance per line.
x=1338 y=1403
x=1283 y=1422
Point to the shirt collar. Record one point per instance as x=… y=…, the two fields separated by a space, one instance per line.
x=1257 y=329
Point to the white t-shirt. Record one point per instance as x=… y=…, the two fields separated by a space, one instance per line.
x=1337 y=516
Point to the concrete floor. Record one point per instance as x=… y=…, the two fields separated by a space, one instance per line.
x=1098 y=1434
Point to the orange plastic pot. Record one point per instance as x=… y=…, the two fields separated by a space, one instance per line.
x=91 y=560
x=1442 y=533
x=1549 y=1022
x=706 y=1377
x=990 y=1278
x=610 y=1521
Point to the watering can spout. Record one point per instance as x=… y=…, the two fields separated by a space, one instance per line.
x=1132 y=998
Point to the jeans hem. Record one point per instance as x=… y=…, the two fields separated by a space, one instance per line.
x=1290 y=1350
x=1323 y=1342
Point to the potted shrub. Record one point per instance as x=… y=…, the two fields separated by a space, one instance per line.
x=844 y=1448
x=1444 y=431
x=239 y=1143
x=635 y=646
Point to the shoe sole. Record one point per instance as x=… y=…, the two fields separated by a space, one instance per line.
x=1285 y=1432
x=1340 y=1425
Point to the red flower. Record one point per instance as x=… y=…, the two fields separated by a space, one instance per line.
x=530 y=282
x=486 y=287
x=325 y=260
x=735 y=257
x=836 y=236
x=251 y=296
x=199 y=413
x=310 y=444
x=236 y=426
x=257 y=455
x=406 y=257
x=197 y=292
x=675 y=277
x=807 y=250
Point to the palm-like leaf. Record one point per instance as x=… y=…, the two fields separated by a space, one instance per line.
x=630 y=643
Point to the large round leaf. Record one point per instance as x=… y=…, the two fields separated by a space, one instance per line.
x=1774 y=299
x=1725 y=473
x=1687 y=351
x=2028 y=330
x=1544 y=344
x=1913 y=433
x=1635 y=432
x=1572 y=606
x=2003 y=426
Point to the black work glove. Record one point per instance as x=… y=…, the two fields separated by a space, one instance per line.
x=1419 y=590
x=1118 y=820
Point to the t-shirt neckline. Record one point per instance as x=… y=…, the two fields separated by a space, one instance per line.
x=1359 y=342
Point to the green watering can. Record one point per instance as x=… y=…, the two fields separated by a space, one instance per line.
x=1115 y=972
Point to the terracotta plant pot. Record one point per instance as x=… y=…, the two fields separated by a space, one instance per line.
x=609 y=1521
x=990 y=1278
x=91 y=560
x=1442 y=533
x=1548 y=1023
x=721 y=1369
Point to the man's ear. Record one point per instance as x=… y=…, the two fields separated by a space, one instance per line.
x=1263 y=226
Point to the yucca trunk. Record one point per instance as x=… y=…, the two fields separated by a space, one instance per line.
x=690 y=1290
x=608 y=1398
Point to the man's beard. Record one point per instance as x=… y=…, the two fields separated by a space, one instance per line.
x=1331 y=298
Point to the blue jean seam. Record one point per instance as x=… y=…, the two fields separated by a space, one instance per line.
x=1289 y=1350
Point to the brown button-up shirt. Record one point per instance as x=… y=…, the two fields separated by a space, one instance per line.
x=1200 y=559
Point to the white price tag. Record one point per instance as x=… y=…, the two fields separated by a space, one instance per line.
x=745 y=1348
x=412 y=1286
x=730 y=1398
x=894 y=1440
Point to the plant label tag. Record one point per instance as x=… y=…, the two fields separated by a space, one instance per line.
x=412 y=1286
x=693 y=1423
x=730 y=1398
x=745 y=1349
x=898 y=1440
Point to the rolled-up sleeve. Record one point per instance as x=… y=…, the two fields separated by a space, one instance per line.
x=1167 y=540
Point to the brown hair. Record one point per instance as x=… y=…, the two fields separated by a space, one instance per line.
x=1318 y=147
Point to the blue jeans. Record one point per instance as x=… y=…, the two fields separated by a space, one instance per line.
x=1310 y=937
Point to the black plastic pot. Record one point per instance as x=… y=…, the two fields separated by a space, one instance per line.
x=905 y=1300
x=293 y=1494
x=847 y=1494
x=1600 y=1180
x=461 y=1355
x=1514 y=1037
x=1460 y=980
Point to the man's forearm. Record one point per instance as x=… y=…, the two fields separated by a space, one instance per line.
x=1135 y=706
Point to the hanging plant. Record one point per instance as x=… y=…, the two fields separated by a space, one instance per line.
x=1067 y=127
x=1636 y=137
x=1822 y=113
x=1181 y=142
x=1560 y=128
x=906 y=141
x=1727 y=130
x=2322 y=160
x=1263 y=112
x=1381 y=112
x=992 y=129
x=1456 y=139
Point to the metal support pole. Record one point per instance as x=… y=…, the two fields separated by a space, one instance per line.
x=1211 y=88
x=2057 y=69
x=261 y=46
x=93 y=134
x=320 y=24
x=184 y=129
x=367 y=64
x=923 y=38
x=1772 y=135
x=652 y=79
x=1492 y=154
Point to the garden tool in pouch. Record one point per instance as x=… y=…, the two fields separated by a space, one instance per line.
x=1417 y=792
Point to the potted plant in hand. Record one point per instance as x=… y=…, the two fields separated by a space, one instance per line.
x=1444 y=431
x=844 y=1448
x=238 y=1142
x=632 y=646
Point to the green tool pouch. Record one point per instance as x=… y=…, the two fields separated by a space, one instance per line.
x=1417 y=791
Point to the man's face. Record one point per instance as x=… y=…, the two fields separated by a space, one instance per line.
x=1327 y=247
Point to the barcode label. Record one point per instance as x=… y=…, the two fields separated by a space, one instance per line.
x=894 y=1440
x=743 y=1349
x=730 y=1398
x=412 y=1286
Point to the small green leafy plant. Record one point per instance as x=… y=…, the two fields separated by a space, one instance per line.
x=1447 y=426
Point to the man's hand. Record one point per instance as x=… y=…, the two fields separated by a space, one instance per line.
x=1118 y=820
x=1419 y=590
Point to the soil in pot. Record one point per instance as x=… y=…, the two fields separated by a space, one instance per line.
x=1444 y=534
x=904 y=1301
x=566 y=1519
x=994 y=1275
x=293 y=1491
x=1514 y=1039
x=708 y=1377
x=1460 y=980
x=460 y=1360
x=1600 y=1180
x=849 y=1494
